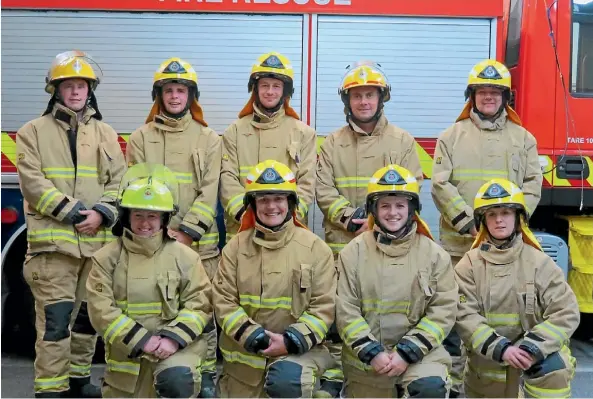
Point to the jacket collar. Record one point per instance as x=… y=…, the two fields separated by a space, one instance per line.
x=497 y=124
x=379 y=127
x=502 y=255
x=270 y=239
x=68 y=118
x=392 y=246
x=262 y=121
x=147 y=246
x=168 y=124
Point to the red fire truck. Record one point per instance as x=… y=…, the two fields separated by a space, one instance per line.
x=426 y=47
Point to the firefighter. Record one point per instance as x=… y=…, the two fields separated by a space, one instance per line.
x=390 y=311
x=69 y=164
x=176 y=135
x=149 y=296
x=516 y=311
x=348 y=158
x=267 y=128
x=274 y=294
x=487 y=141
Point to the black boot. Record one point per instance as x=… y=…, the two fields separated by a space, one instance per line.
x=50 y=394
x=328 y=389
x=208 y=389
x=82 y=388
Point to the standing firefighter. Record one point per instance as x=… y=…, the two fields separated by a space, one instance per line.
x=349 y=156
x=487 y=141
x=268 y=128
x=274 y=294
x=516 y=311
x=69 y=166
x=397 y=297
x=149 y=296
x=176 y=135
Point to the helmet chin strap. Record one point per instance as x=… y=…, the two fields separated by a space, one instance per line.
x=483 y=116
x=261 y=106
x=374 y=118
x=179 y=115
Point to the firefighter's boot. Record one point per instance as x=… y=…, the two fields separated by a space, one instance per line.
x=208 y=388
x=82 y=388
x=328 y=389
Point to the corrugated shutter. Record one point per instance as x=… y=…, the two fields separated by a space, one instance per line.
x=427 y=61
x=130 y=46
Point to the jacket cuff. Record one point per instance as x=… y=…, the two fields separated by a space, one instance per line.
x=71 y=212
x=167 y=333
x=135 y=339
x=137 y=350
x=533 y=350
x=465 y=229
x=368 y=353
x=460 y=221
x=190 y=232
x=106 y=213
x=409 y=351
x=500 y=348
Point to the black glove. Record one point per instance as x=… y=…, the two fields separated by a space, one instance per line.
x=257 y=341
x=359 y=213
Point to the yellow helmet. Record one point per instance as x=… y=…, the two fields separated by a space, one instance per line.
x=488 y=73
x=71 y=65
x=393 y=179
x=175 y=70
x=270 y=177
x=364 y=73
x=273 y=65
x=498 y=192
x=149 y=187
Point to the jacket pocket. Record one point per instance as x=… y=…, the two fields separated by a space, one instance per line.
x=394 y=158
x=199 y=159
x=294 y=153
x=301 y=289
x=517 y=166
x=168 y=285
x=106 y=156
x=421 y=294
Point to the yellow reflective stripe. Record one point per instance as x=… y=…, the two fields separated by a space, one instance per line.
x=235 y=203
x=333 y=375
x=493 y=375
x=116 y=327
x=303 y=209
x=144 y=308
x=254 y=301
x=64 y=173
x=51 y=234
x=51 y=383
x=123 y=367
x=123 y=305
x=210 y=238
x=249 y=360
x=229 y=322
x=203 y=209
x=452 y=207
x=352 y=181
x=86 y=171
x=384 y=307
x=336 y=247
x=503 y=319
x=432 y=328
x=194 y=317
x=337 y=206
x=184 y=177
x=480 y=335
x=478 y=174
x=537 y=392
x=244 y=170
x=555 y=331
x=46 y=199
x=80 y=370
x=352 y=329
x=315 y=323
x=110 y=193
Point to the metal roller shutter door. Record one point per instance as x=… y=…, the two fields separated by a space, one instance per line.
x=130 y=46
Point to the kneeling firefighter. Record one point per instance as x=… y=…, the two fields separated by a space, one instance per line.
x=516 y=311
x=149 y=295
x=274 y=294
x=397 y=297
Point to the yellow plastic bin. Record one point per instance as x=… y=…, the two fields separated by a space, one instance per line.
x=580 y=277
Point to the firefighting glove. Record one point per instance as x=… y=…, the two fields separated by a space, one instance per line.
x=74 y=217
x=359 y=213
x=257 y=341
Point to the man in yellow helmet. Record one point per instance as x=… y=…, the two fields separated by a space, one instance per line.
x=486 y=141
x=516 y=311
x=149 y=296
x=273 y=294
x=348 y=158
x=267 y=128
x=176 y=135
x=391 y=313
x=69 y=164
